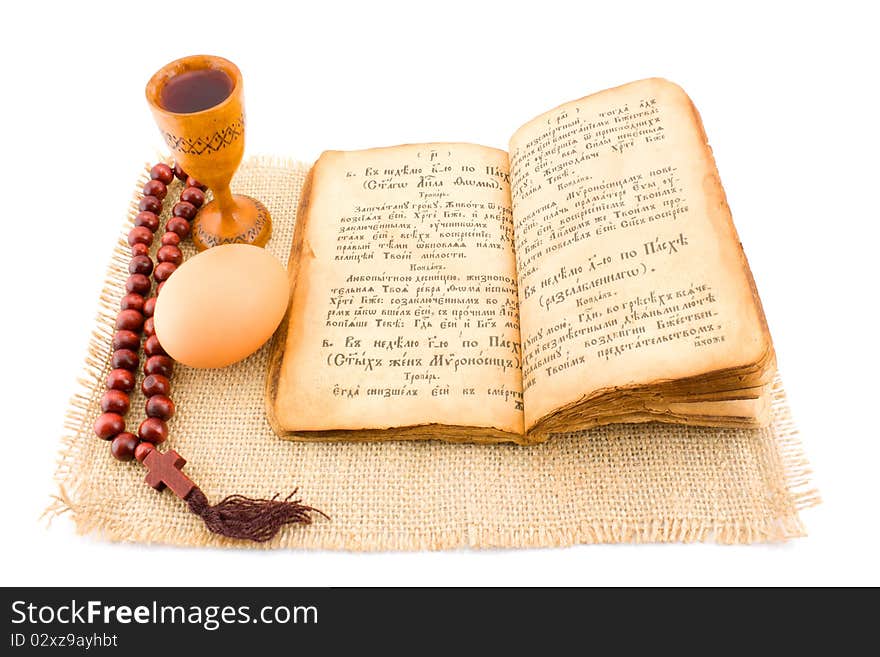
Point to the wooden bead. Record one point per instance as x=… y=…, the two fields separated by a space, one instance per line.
x=155 y=188
x=124 y=359
x=170 y=254
x=130 y=320
x=160 y=406
x=162 y=172
x=193 y=195
x=141 y=451
x=153 y=430
x=164 y=271
x=138 y=283
x=149 y=327
x=115 y=401
x=156 y=384
x=141 y=265
x=159 y=288
x=179 y=173
x=132 y=301
x=148 y=220
x=185 y=210
x=126 y=340
x=109 y=425
x=149 y=307
x=150 y=204
x=178 y=225
x=153 y=348
x=120 y=380
x=140 y=249
x=170 y=239
x=192 y=182
x=123 y=446
x=162 y=365
x=140 y=235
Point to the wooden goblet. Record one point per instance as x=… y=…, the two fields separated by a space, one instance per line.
x=209 y=144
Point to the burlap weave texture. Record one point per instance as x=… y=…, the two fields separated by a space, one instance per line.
x=619 y=483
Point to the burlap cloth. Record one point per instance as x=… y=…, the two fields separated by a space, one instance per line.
x=620 y=483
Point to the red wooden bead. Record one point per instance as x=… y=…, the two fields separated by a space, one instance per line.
x=170 y=254
x=178 y=225
x=132 y=301
x=123 y=446
x=138 y=283
x=159 y=287
x=162 y=172
x=140 y=234
x=155 y=188
x=185 y=210
x=153 y=430
x=120 y=380
x=126 y=340
x=140 y=249
x=179 y=173
x=156 y=384
x=141 y=265
x=149 y=328
x=153 y=348
x=141 y=451
x=164 y=271
x=159 y=365
x=149 y=307
x=124 y=359
x=148 y=220
x=192 y=182
x=170 y=239
x=193 y=195
x=108 y=425
x=150 y=204
x=115 y=401
x=130 y=320
x=160 y=406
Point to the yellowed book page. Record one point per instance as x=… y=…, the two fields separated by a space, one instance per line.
x=629 y=267
x=404 y=311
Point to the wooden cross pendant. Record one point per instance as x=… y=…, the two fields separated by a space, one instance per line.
x=165 y=471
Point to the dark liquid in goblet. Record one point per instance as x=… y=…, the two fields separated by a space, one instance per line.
x=194 y=91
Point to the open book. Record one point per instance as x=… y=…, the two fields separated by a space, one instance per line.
x=455 y=291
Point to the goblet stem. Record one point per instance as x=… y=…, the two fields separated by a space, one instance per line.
x=226 y=205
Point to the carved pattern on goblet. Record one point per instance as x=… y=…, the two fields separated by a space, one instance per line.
x=249 y=236
x=211 y=143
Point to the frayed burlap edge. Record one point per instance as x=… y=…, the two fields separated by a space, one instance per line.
x=69 y=480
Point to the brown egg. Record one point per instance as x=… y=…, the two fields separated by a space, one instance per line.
x=221 y=306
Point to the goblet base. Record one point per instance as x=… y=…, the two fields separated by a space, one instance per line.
x=248 y=223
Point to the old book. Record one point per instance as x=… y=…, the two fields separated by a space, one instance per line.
x=592 y=274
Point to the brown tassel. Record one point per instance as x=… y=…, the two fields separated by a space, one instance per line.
x=250 y=519
x=235 y=516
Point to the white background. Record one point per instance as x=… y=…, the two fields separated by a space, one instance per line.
x=788 y=95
